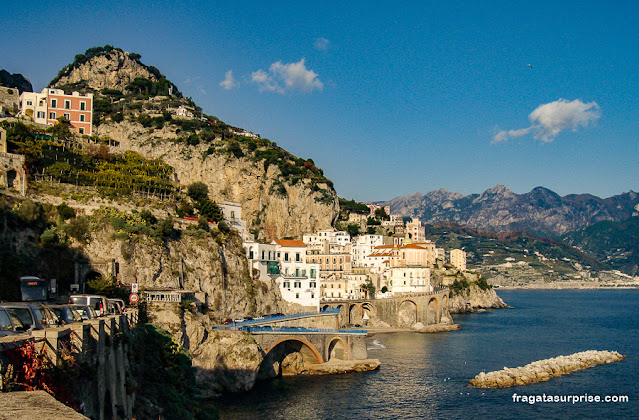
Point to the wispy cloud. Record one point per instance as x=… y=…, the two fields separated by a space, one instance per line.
x=229 y=82
x=321 y=44
x=282 y=78
x=550 y=119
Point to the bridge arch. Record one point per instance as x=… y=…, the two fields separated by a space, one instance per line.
x=337 y=349
x=407 y=313
x=354 y=314
x=288 y=355
x=433 y=314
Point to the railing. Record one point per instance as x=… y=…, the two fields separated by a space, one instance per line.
x=301 y=330
x=283 y=317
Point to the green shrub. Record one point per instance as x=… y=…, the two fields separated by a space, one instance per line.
x=198 y=191
x=65 y=212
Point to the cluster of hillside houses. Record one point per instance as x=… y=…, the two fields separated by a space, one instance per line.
x=329 y=265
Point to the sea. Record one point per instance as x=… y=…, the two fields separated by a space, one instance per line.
x=425 y=376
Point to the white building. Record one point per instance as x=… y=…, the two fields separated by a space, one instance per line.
x=34 y=105
x=363 y=246
x=458 y=259
x=298 y=280
x=330 y=236
x=233 y=216
x=263 y=258
x=410 y=280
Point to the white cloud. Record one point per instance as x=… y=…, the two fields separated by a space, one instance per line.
x=550 y=119
x=229 y=82
x=287 y=77
x=321 y=44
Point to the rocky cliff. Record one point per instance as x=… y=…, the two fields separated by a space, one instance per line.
x=281 y=195
x=276 y=207
x=540 y=211
x=225 y=361
x=217 y=273
x=104 y=68
x=474 y=298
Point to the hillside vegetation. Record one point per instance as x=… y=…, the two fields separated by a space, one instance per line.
x=616 y=243
x=514 y=254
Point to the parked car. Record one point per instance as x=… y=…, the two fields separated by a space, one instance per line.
x=227 y=321
x=10 y=323
x=120 y=304
x=239 y=320
x=85 y=311
x=66 y=313
x=34 y=316
x=114 y=308
x=97 y=302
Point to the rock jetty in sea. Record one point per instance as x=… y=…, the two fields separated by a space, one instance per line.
x=543 y=370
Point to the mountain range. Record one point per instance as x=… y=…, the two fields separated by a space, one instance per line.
x=540 y=211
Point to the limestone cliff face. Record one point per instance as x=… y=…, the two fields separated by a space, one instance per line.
x=217 y=273
x=475 y=298
x=112 y=70
x=225 y=361
x=301 y=210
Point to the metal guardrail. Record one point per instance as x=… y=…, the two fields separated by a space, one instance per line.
x=301 y=330
x=284 y=317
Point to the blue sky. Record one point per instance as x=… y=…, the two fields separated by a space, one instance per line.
x=388 y=98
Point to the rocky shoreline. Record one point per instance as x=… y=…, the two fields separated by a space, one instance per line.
x=475 y=298
x=334 y=366
x=543 y=370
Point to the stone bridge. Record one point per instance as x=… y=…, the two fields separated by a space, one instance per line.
x=313 y=347
x=398 y=311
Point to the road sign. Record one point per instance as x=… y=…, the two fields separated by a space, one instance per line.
x=134 y=288
x=133 y=297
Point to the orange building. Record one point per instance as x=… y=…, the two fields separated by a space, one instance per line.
x=78 y=109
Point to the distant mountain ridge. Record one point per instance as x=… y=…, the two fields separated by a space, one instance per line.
x=540 y=211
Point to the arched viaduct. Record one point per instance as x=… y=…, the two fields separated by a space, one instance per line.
x=313 y=347
x=398 y=311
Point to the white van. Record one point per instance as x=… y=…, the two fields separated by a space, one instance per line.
x=97 y=302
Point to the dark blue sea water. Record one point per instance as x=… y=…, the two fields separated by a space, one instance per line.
x=426 y=376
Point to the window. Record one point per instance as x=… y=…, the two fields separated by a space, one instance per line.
x=286 y=256
x=83 y=106
x=54 y=103
x=67 y=116
x=251 y=255
x=52 y=115
x=297 y=295
x=313 y=285
x=67 y=104
x=287 y=284
x=40 y=114
x=81 y=117
x=81 y=130
x=29 y=103
x=297 y=256
x=297 y=284
x=312 y=273
x=312 y=295
x=232 y=215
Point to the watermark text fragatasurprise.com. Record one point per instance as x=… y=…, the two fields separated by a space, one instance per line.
x=569 y=399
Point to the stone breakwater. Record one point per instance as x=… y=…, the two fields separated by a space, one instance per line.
x=543 y=370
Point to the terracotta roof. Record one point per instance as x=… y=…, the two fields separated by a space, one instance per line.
x=413 y=246
x=290 y=242
x=384 y=246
